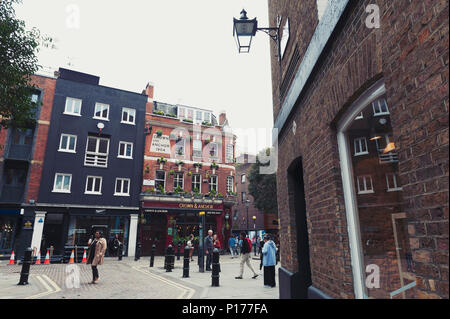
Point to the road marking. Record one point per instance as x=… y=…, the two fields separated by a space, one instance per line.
x=49 y=291
x=186 y=290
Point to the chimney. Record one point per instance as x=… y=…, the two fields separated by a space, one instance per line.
x=149 y=92
x=222 y=118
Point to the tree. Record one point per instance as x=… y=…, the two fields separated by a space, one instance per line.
x=18 y=61
x=263 y=188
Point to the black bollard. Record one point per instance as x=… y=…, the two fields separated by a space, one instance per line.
x=25 y=267
x=120 y=252
x=170 y=259
x=179 y=251
x=138 y=252
x=152 y=256
x=215 y=268
x=186 y=262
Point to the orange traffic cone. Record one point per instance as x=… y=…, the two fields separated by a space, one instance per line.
x=71 y=258
x=83 y=261
x=12 y=259
x=47 y=259
x=38 y=258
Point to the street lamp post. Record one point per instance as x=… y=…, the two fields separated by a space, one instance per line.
x=247 y=203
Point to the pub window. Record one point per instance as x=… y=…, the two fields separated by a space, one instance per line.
x=229 y=184
x=160 y=180
x=178 y=180
x=197 y=148
x=197 y=183
x=213 y=183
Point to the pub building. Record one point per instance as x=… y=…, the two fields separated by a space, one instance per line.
x=188 y=169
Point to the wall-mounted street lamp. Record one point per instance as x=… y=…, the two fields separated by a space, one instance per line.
x=244 y=29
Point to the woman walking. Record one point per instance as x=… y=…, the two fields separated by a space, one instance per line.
x=269 y=251
x=97 y=249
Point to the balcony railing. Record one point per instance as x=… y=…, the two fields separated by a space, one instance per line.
x=19 y=152
x=12 y=194
x=96 y=160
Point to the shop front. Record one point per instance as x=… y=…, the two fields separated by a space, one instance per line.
x=165 y=223
x=9 y=230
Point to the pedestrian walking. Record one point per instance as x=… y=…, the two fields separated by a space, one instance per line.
x=269 y=261
x=190 y=244
x=232 y=246
x=209 y=249
x=97 y=249
x=246 y=250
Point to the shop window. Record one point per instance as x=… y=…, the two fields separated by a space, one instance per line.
x=392 y=183
x=73 y=106
x=67 y=143
x=7 y=231
x=365 y=184
x=125 y=150
x=160 y=180
x=122 y=187
x=230 y=184
x=360 y=145
x=197 y=183
x=178 y=180
x=101 y=111
x=213 y=183
x=96 y=152
x=128 y=115
x=377 y=224
x=62 y=183
x=93 y=185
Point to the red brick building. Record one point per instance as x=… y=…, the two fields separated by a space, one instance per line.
x=21 y=160
x=188 y=168
x=360 y=97
x=250 y=219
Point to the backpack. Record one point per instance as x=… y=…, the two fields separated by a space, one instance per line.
x=249 y=242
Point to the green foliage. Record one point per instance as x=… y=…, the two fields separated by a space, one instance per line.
x=161 y=189
x=18 y=61
x=263 y=188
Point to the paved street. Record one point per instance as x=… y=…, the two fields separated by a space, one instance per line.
x=129 y=279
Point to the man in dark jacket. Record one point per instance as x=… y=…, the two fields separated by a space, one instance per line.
x=209 y=249
x=245 y=256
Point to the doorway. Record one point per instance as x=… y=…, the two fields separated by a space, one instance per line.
x=297 y=203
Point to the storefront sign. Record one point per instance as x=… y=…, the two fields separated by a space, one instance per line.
x=28 y=224
x=149 y=182
x=156 y=210
x=160 y=144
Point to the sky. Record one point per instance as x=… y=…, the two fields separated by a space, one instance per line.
x=184 y=47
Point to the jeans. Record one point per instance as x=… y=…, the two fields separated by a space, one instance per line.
x=94 y=273
x=208 y=260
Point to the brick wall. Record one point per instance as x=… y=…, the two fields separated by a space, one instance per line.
x=410 y=51
x=47 y=85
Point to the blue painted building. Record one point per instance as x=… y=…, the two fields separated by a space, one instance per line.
x=92 y=172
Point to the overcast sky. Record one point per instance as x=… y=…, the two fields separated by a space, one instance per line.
x=184 y=47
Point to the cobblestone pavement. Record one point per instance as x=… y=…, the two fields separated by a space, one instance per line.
x=129 y=279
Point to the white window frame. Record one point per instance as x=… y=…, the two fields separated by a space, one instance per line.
x=229 y=149
x=72 y=100
x=195 y=182
x=67 y=150
x=164 y=180
x=216 y=148
x=360 y=116
x=93 y=192
x=127 y=109
x=351 y=204
x=365 y=180
x=125 y=149
x=179 y=146
x=230 y=178
x=243 y=178
x=197 y=151
x=55 y=190
x=176 y=180
x=184 y=116
x=96 y=153
x=377 y=110
x=101 y=117
x=122 y=179
x=216 y=184
x=358 y=150
x=396 y=188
